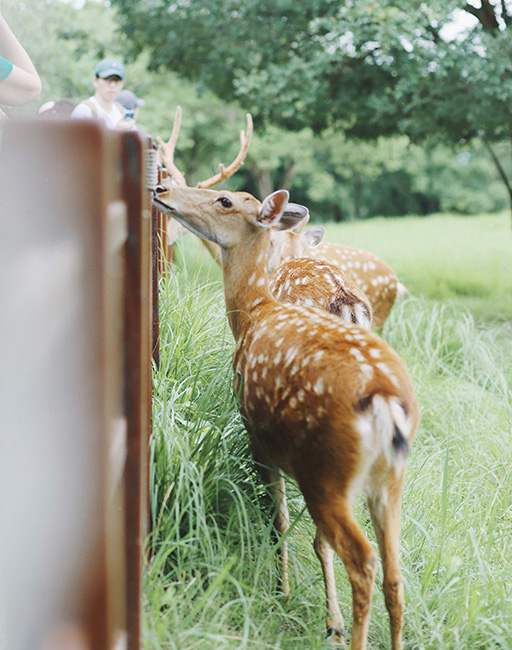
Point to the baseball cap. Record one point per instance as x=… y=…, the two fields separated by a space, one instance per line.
x=129 y=100
x=108 y=68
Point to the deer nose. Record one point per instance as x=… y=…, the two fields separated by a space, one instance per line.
x=159 y=189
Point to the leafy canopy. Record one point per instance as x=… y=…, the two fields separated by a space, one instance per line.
x=371 y=68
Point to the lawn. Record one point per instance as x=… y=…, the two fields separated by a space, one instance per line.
x=464 y=259
x=212 y=580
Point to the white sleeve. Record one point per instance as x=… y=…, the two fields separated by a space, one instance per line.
x=82 y=111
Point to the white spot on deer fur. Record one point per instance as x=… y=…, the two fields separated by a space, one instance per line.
x=355 y=352
x=256 y=302
x=305 y=361
x=261 y=257
x=310 y=421
x=255 y=376
x=294 y=369
x=293 y=402
x=372 y=266
x=278 y=342
x=301 y=395
x=319 y=386
x=367 y=370
x=277 y=358
x=375 y=353
x=261 y=281
x=290 y=355
x=383 y=367
x=318 y=355
x=251 y=279
x=264 y=372
x=278 y=381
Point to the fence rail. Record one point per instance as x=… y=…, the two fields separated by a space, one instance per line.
x=78 y=329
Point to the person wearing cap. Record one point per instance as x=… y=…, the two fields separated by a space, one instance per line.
x=108 y=81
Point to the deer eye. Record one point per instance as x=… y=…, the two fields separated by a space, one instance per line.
x=159 y=189
x=225 y=202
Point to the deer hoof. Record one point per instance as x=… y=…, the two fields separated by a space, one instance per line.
x=336 y=637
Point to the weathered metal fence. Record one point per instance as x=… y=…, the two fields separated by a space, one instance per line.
x=78 y=328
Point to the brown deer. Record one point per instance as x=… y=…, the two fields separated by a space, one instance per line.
x=376 y=278
x=299 y=282
x=325 y=401
x=373 y=276
x=314 y=283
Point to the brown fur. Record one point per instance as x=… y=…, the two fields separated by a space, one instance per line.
x=312 y=283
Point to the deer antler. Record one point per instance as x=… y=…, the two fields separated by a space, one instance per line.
x=166 y=150
x=226 y=172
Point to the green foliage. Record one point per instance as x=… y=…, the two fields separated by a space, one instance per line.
x=212 y=581
x=369 y=69
x=338 y=178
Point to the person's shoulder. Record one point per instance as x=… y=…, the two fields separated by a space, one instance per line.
x=84 y=109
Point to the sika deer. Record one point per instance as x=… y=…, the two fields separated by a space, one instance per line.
x=373 y=276
x=325 y=401
x=313 y=283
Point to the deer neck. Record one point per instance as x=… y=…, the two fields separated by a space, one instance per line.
x=245 y=271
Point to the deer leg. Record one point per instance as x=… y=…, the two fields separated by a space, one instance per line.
x=325 y=553
x=360 y=559
x=282 y=525
x=385 y=512
x=274 y=480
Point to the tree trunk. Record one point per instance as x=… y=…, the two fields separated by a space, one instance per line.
x=501 y=171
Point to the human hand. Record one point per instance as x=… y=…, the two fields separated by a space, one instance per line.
x=126 y=125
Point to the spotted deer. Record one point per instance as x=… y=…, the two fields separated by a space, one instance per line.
x=373 y=276
x=315 y=283
x=324 y=401
x=300 y=282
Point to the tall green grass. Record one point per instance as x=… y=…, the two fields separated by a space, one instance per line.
x=212 y=580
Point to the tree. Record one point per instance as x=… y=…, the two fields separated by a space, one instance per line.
x=370 y=69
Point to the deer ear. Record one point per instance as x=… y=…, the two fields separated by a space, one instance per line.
x=312 y=237
x=272 y=208
x=298 y=228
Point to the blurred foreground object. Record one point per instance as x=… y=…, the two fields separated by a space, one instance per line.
x=75 y=385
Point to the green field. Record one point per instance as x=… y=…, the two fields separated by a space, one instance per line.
x=212 y=580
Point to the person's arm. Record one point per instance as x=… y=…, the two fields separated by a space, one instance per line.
x=22 y=83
